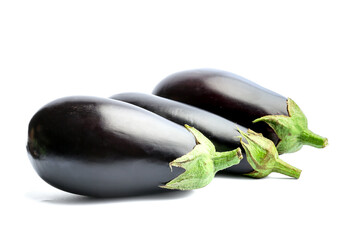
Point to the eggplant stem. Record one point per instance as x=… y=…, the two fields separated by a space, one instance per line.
x=224 y=159
x=201 y=164
x=292 y=130
x=286 y=169
x=312 y=139
x=263 y=156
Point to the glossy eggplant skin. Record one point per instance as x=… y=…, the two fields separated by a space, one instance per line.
x=105 y=148
x=222 y=132
x=225 y=94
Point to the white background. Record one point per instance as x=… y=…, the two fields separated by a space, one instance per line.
x=50 y=49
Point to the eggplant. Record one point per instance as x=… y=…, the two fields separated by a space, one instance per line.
x=223 y=133
x=244 y=102
x=106 y=148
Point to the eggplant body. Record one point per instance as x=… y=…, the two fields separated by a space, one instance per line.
x=225 y=94
x=222 y=132
x=105 y=148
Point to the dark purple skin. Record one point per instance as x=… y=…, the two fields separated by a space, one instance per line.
x=105 y=148
x=225 y=94
x=222 y=132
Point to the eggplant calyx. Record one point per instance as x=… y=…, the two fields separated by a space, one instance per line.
x=201 y=164
x=292 y=130
x=263 y=157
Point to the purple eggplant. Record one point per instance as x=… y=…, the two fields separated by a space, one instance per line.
x=223 y=133
x=243 y=102
x=106 y=148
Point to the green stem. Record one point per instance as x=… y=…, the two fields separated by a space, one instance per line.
x=263 y=156
x=309 y=138
x=223 y=160
x=286 y=169
x=292 y=130
x=201 y=164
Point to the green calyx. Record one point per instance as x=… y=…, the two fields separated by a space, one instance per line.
x=201 y=164
x=293 y=130
x=263 y=157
